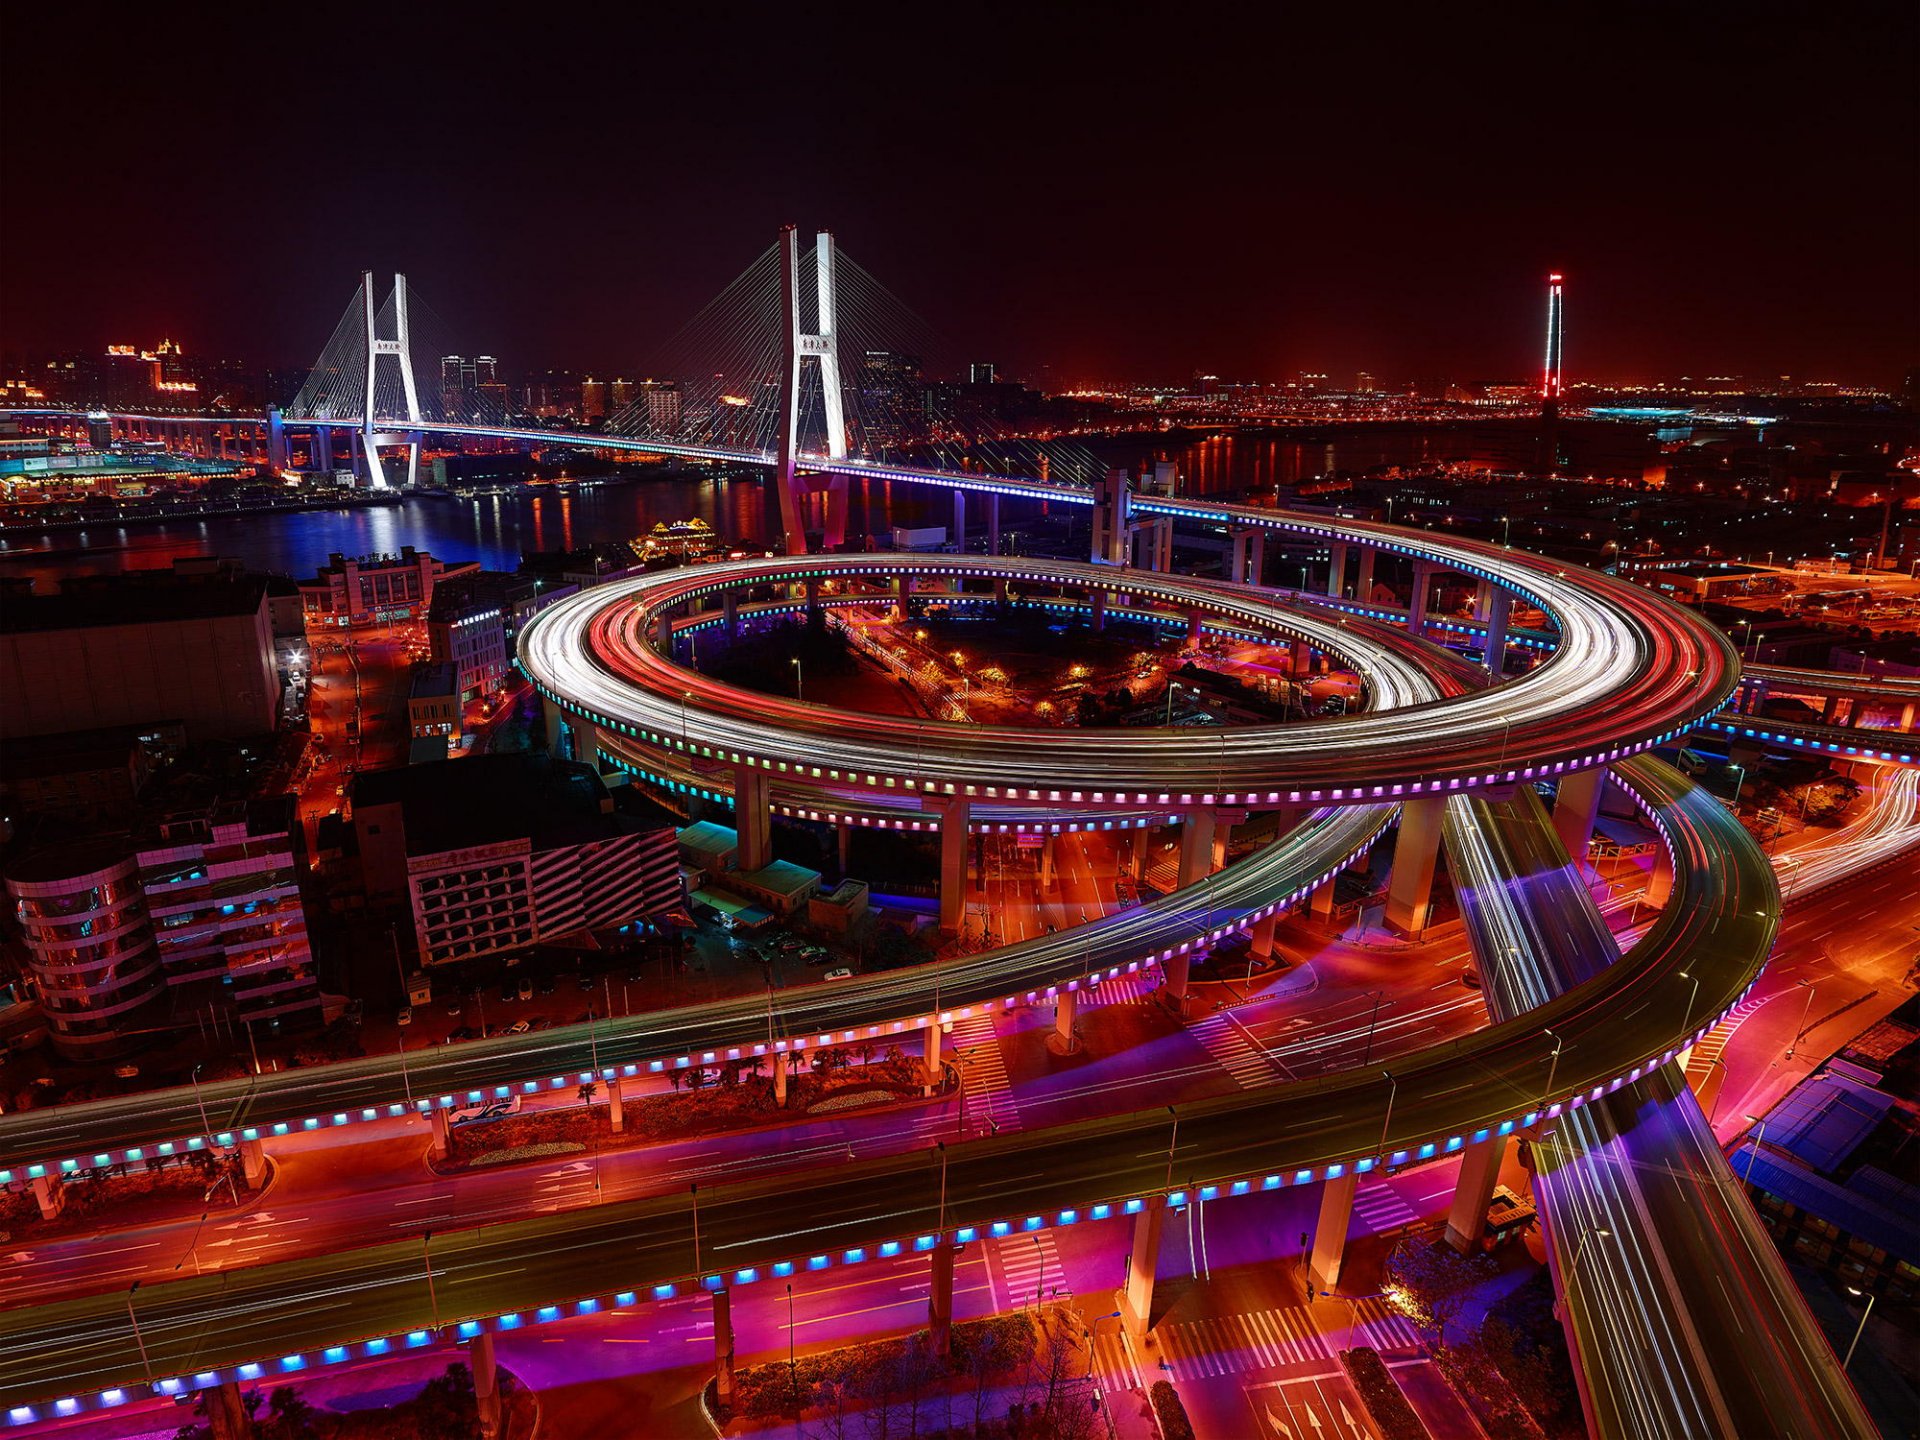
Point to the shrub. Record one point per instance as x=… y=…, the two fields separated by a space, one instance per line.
x=1381 y=1395
x=1172 y=1414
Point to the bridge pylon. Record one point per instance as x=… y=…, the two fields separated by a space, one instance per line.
x=821 y=345
x=375 y=432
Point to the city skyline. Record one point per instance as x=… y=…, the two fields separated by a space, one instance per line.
x=1087 y=223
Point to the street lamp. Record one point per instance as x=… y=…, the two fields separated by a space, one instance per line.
x=206 y=1128
x=1687 y=1028
x=1759 y=1139
x=1805 y=1010
x=146 y=1365
x=1859 y=1329
x=1171 y=687
x=799 y=675
x=685 y=695
x=1171 y=1141
x=1388 y=1120
x=1367 y=1058
x=1553 y=1068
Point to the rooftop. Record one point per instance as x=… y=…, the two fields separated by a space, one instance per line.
x=133 y=599
x=487 y=799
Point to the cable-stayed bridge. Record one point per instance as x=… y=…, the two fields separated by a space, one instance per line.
x=805 y=363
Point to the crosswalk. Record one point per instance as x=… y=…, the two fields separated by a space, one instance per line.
x=1265 y=1339
x=1029 y=1265
x=1116 y=1362
x=1227 y=1041
x=1382 y=1209
x=1125 y=989
x=1232 y=1344
x=988 y=1105
x=1710 y=1049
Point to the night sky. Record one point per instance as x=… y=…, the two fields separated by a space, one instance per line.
x=1115 y=192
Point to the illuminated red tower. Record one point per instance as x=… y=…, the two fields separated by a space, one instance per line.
x=1550 y=376
x=1550 y=380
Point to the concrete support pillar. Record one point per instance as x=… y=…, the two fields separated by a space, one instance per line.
x=1483 y=599
x=843 y=836
x=253 y=1163
x=227 y=1415
x=730 y=607
x=437 y=1119
x=1830 y=709
x=813 y=596
x=1099 y=610
x=1066 y=1006
x=723 y=1344
x=1906 y=716
x=960 y=521
x=1479 y=1172
x=779 y=1061
x=1302 y=662
x=1193 y=627
x=1575 y=806
x=931 y=1067
x=1330 y=1233
x=956 y=813
x=1410 y=889
x=1176 y=970
x=1046 y=862
x=486 y=1384
x=1137 y=860
x=1196 y=845
x=1660 y=881
x=1262 y=935
x=1499 y=609
x=553 y=718
x=616 y=1111
x=50 y=1195
x=1417 y=602
x=834 y=534
x=1320 y=903
x=1337 y=570
x=1363 y=588
x=1143 y=1258
x=586 y=741
x=993 y=526
x=940 y=1299
x=752 y=821
x=902 y=587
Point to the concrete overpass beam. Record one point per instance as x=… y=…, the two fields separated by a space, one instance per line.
x=752 y=820
x=1416 y=852
x=1065 y=1007
x=956 y=814
x=1175 y=970
x=1363 y=588
x=1337 y=570
x=227 y=1415
x=940 y=1299
x=486 y=1385
x=253 y=1163
x=1143 y=1259
x=1196 y=845
x=1330 y=1231
x=1575 y=807
x=1499 y=611
x=723 y=1344
x=1479 y=1172
x=616 y=1111
x=437 y=1121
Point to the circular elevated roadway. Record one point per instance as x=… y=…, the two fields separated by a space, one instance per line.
x=1630 y=671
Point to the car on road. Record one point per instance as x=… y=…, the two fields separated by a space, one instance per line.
x=405 y=1017
x=525 y=990
x=519 y=1027
x=1470 y=978
x=842 y=973
x=540 y=1022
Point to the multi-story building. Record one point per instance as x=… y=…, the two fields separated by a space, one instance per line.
x=433 y=704
x=222 y=887
x=375 y=589
x=90 y=946
x=471 y=624
x=139 y=649
x=499 y=852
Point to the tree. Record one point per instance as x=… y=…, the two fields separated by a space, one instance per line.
x=1430 y=1280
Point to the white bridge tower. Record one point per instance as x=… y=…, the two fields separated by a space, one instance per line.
x=822 y=346
x=372 y=433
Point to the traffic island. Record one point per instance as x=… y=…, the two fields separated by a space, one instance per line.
x=1020 y=1374
x=154 y=1192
